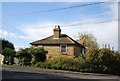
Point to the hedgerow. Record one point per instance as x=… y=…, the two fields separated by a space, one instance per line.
x=94 y=60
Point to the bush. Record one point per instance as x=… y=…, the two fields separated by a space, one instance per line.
x=102 y=60
x=24 y=57
x=62 y=63
x=111 y=60
x=38 y=55
x=9 y=55
x=31 y=56
x=94 y=60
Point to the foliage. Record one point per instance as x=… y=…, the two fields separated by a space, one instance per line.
x=31 y=55
x=103 y=60
x=7 y=44
x=110 y=60
x=7 y=51
x=62 y=63
x=87 y=39
x=94 y=60
x=24 y=57
x=38 y=54
x=9 y=55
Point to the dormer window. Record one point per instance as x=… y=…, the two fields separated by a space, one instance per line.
x=63 y=48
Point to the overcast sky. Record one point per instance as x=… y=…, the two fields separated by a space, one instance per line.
x=25 y=22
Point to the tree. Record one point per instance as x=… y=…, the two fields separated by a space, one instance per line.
x=8 y=51
x=38 y=54
x=7 y=44
x=31 y=56
x=9 y=55
x=111 y=60
x=24 y=57
x=102 y=60
x=87 y=39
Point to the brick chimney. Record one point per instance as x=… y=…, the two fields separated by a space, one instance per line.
x=57 y=32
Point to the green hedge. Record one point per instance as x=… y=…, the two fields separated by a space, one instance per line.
x=62 y=63
x=94 y=60
x=31 y=56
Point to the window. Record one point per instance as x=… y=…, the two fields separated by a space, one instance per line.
x=63 y=48
x=83 y=50
x=40 y=46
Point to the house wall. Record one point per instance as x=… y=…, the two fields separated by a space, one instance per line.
x=78 y=51
x=70 y=50
x=54 y=50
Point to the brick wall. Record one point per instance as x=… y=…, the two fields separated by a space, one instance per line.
x=54 y=50
x=78 y=51
x=70 y=50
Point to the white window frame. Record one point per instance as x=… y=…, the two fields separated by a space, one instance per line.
x=83 y=51
x=61 y=49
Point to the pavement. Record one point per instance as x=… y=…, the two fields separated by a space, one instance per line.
x=19 y=72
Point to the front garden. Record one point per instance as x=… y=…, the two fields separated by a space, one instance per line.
x=94 y=60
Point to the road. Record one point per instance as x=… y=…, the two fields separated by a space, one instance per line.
x=17 y=72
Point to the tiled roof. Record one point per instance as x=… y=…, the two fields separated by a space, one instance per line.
x=64 y=39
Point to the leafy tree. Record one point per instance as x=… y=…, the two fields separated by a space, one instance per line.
x=102 y=60
x=38 y=55
x=7 y=44
x=30 y=56
x=24 y=57
x=9 y=55
x=111 y=60
x=8 y=51
x=87 y=39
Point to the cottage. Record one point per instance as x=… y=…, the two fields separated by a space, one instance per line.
x=59 y=45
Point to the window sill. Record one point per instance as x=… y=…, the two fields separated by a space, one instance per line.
x=63 y=53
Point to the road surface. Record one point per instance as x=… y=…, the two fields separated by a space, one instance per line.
x=18 y=72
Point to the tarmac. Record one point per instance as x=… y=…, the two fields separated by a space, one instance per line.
x=20 y=72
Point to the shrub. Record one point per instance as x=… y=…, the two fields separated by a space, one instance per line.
x=94 y=60
x=101 y=60
x=71 y=64
x=110 y=60
x=31 y=56
x=38 y=54
x=24 y=57
x=9 y=56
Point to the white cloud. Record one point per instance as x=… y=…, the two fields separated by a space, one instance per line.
x=17 y=47
x=38 y=30
x=114 y=10
x=4 y=33
x=106 y=33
